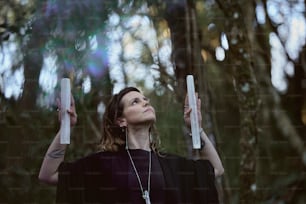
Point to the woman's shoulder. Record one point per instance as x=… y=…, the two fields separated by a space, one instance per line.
x=183 y=161
x=90 y=161
x=170 y=159
x=172 y=156
x=100 y=155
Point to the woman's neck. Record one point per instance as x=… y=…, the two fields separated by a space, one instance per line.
x=139 y=138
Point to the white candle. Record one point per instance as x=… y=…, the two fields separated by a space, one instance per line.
x=192 y=100
x=65 y=105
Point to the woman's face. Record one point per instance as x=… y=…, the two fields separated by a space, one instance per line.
x=137 y=109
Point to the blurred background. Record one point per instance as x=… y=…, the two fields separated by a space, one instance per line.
x=248 y=58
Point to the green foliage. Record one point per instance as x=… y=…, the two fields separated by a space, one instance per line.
x=169 y=122
x=64 y=28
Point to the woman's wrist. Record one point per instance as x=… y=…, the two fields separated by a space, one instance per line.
x=201 y=131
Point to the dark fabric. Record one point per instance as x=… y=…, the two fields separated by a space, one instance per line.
x=157 y=186
x=189 y=181
x=102 y=178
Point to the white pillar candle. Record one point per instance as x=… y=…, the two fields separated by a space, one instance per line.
x=192 y=100
x=65 y=105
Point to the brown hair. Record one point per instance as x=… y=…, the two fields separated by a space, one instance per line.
x=113 y=136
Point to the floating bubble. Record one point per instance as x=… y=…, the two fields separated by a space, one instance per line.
x=68 y=65
x=97 y=63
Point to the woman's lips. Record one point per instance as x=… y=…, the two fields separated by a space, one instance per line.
x=149 y=109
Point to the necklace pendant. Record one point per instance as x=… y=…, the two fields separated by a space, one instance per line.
x=146 y=197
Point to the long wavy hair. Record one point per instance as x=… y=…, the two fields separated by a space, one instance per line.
x=113 y=136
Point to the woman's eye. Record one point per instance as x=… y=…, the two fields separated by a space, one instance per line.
x=134 y=102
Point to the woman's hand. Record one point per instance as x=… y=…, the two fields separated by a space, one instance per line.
x=187 y=111
x=71 y=111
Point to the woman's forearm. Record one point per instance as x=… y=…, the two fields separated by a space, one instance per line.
x=55 y=155
x=209 y=152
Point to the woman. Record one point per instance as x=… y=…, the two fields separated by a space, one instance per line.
x=129 y=168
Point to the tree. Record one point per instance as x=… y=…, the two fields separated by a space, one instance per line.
x=242 y=108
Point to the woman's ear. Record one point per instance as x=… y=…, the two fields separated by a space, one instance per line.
x=121 y=122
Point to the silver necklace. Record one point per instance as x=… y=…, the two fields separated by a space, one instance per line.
x=145 y=193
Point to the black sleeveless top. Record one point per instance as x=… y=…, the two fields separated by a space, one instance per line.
x=157 y=182
x=108 y=177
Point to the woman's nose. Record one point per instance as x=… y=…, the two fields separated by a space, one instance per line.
x=146 y=103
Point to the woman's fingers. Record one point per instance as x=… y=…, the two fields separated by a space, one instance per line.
x=72 y=111
x=188 y=109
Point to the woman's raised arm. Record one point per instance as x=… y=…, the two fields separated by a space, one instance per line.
x=56 y=152
x=53 y=157
x=208 y=152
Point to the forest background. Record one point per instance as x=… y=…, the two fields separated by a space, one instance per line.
x=247 y=57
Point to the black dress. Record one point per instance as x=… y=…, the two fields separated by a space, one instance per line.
x=108 y=177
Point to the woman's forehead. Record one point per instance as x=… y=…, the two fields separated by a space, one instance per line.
x=132 y=95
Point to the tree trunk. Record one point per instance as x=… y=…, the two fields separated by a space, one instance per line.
x=187 y=59
x=239 y=58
